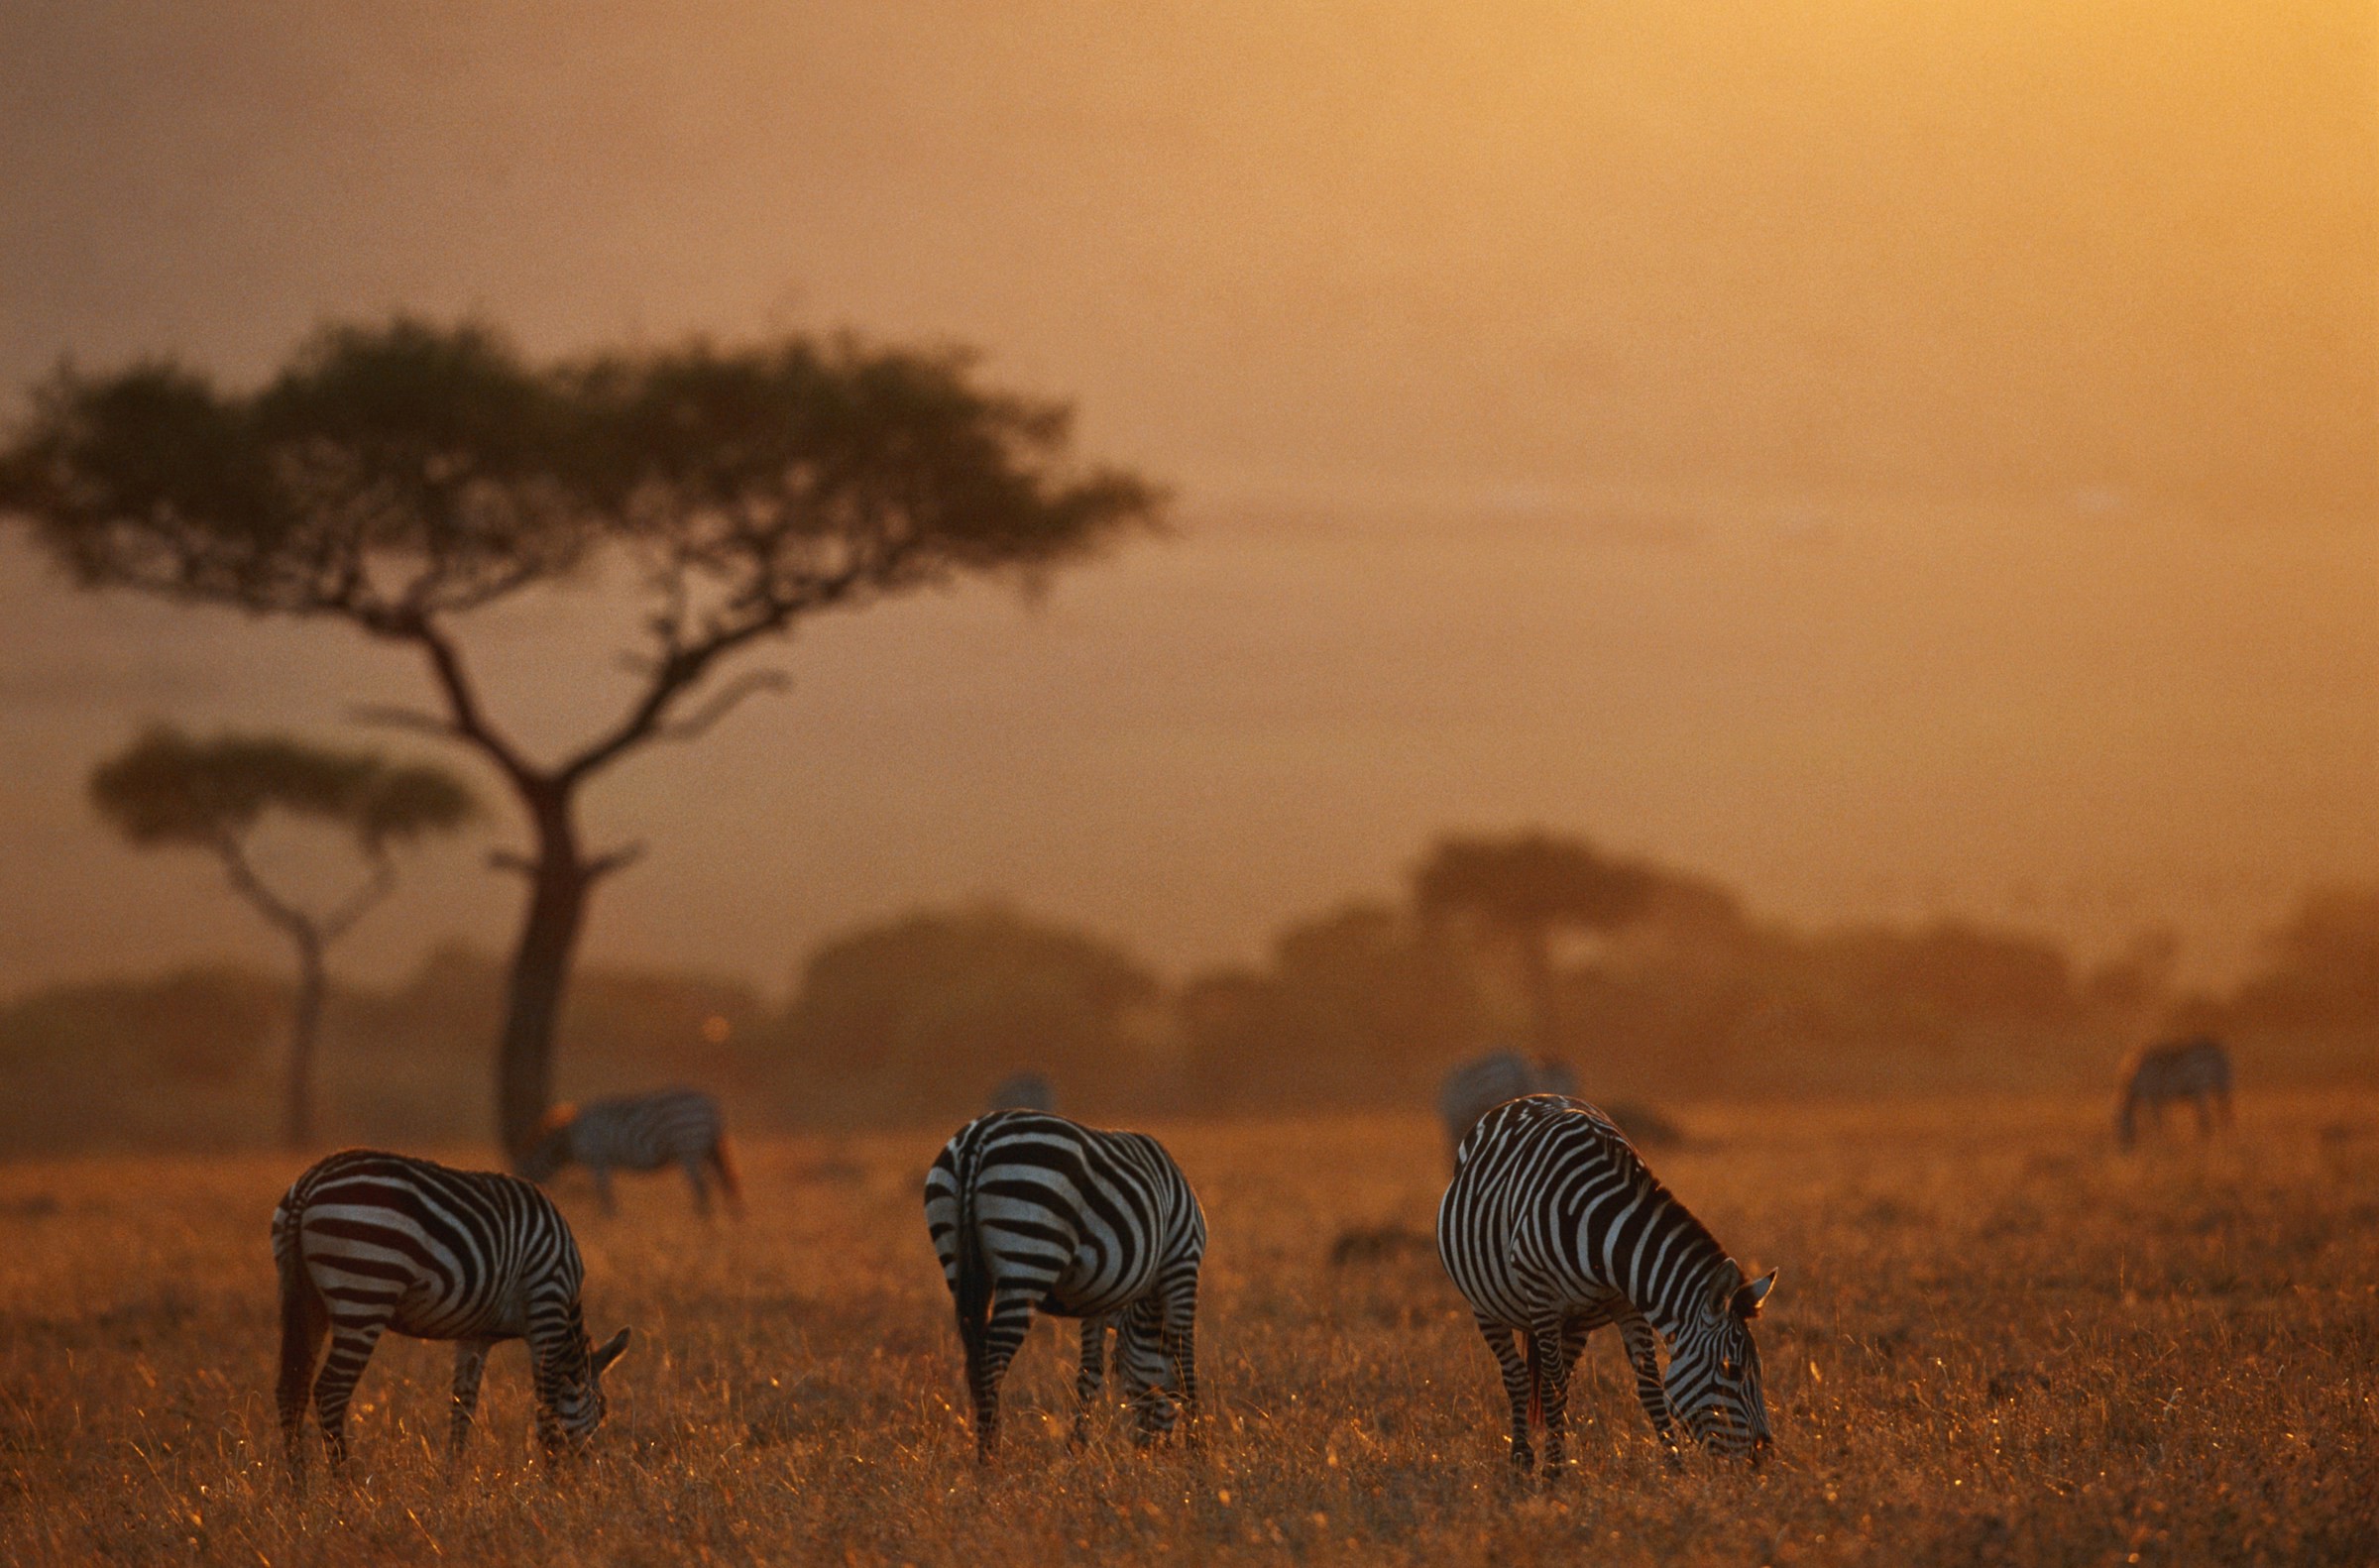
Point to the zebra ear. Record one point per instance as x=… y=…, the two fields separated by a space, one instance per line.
x=1747 y=1296
x=608 y=1352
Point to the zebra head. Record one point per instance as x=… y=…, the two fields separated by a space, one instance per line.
x=578 y=1403
x=1714 y=1367
x=549 y=1151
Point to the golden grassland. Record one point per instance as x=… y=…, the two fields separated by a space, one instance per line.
x=1996 y=1340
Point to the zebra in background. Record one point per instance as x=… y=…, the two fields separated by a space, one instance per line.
x=1552 y=1228
x=1023 y=1091
x=1482 y=1083
x=366 y=1242
x=2196 y=1070
x=1028 y=1209
x=638 y=1132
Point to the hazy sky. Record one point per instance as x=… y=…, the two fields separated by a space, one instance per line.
x=1898 y=459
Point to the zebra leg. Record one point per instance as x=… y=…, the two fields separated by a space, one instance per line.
x=470 y=1361
x=1179 y=1344
x=1011 y=1316
x=351 y=1344
x=1552 y=1395
x=1140 y=1366
x=1651 y=1391
x=305 y=1324
x=1091 y=1378
x=702 y=1191
x=723 y=1171
x=1573 y=1344
x=1517 y=1389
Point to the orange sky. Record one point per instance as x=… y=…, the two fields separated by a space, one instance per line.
x=1898 y=459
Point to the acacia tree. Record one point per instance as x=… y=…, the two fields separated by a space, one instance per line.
x=167 y=789
x=1527 y=887
x=399 y=478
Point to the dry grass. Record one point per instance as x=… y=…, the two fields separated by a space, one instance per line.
x=1995 y=1340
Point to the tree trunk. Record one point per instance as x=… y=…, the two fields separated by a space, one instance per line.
x=557 y=902
x=305 y=1025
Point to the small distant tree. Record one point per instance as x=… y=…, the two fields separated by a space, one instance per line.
x=169 y=790
x=399 y=478
x=1527 y=888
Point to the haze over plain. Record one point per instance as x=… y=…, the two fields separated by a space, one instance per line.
x=1895 y=463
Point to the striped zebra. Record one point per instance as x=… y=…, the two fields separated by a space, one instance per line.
x=2196 y=1070
x=1027 y=1209
x=1023 y=1091
x=638 y=1132
x=1482 y=1083
x=366 y=1242
x=1552 y=1228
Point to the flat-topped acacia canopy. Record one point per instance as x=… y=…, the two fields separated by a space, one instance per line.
x=399 y=476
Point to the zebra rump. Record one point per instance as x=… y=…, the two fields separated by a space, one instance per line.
x=1029 y=1211
x=2196 y=1069
x=638 y=1132
x=1553 y=1227
x=366 y=1242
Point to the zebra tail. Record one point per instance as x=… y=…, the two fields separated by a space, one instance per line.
x=723 y=1161
x=299 y=1304
x=974 y=1273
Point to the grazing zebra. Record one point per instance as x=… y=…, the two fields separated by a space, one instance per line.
x=2196 y=1070
x=1026 y=1210
x=1552 y=1227
x=1023 y=1091
x=366 y=1242
x=638 y=1132
x=1482 y=1083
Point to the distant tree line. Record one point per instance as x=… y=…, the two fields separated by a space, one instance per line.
x=1362 y=1006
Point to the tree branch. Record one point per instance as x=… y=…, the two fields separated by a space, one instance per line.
x=511 y=861
x=340 y=919
x=388 y=715
x=470 y=723
x=619 y=859
x=727 y=699
x=288 y=917
x=682 y=668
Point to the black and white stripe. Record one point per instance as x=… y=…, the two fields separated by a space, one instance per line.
x=2197 y=1070
x=1553 y=1227
x=638 y=1132
x=1482 y=1083
x=366 y=1242
x=1027 y=1209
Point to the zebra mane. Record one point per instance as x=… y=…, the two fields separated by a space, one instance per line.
x=1622 y=1152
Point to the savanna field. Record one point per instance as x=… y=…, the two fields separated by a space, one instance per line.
x=1995 y=1340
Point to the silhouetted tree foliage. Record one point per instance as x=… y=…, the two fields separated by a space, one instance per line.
x=1527 y=888
x=169 y=789
x=1357 y=1006
x=924 y=1015
x=397 y=478
x=136 y=1061
x=2321 y=973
